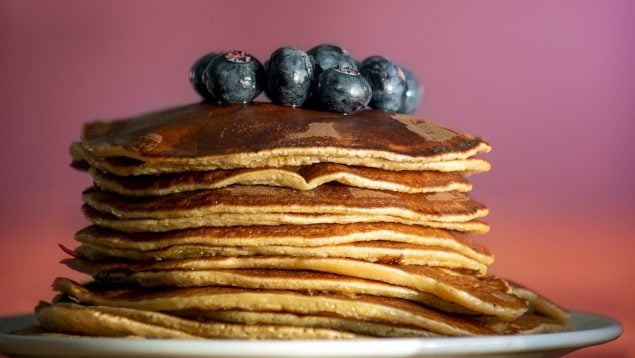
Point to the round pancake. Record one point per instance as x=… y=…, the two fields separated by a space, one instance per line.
x=364 y=308
x=328 y=322
x=306 y=236
x=145 y=225
x=123 y=166
x=376 y=251
x=299 y=178
x=307 y=281
x=266 y=135
x=540 y=304
x=257 y=199
x=487 y=295
x=103 y=321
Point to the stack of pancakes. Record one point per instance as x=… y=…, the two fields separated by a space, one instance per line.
x=269 y=222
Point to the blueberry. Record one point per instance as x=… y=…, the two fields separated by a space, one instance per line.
x=412 y=95
x=387 y=81
x=368 y=60
x=328 y=56
x=343 y=90
x=196 y=75
x=234 y=77
x=289 y=76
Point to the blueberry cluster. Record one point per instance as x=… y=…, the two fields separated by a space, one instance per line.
x=325 y=77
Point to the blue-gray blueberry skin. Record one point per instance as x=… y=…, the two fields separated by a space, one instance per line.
x=196 y=75
x=330 y=56
x=234 y=77
x=343 y=90
x=413 y=93
x=370 y=59
x=290 y=74
x=387 y=81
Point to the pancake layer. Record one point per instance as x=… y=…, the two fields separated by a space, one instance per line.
x=208 y=137
x=298 y=178
x=487 y=295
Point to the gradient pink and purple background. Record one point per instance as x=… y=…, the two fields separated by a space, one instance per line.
x=551 y=84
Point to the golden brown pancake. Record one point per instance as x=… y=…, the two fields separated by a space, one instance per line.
x=306 y=281
x=205 y=137
x=104 y=321
x=376 y=251
x=487 y=295
x=266 y=205
x=361 y=307
x=529 y=323
x=326 y=199
x=325 y=321
x=306 y=236
x=129 y=167
x=144 y=225
x=540 y=304
x=300 y=178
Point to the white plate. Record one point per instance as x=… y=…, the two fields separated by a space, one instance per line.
x=585 y=329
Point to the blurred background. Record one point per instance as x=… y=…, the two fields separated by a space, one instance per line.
x=551 y=85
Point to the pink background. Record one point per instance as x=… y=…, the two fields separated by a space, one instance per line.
x=551 y=84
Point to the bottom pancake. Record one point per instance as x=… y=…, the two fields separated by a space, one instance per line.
x=307 y=281
x=196 y=313
x=359 y=307
x=540 y=304
x=313 y=321
x=104 y=321
x=486 y=295
x=529 y=323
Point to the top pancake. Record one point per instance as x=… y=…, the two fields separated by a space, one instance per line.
x=206 y=137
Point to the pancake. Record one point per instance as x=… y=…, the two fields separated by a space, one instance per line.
x=528 y=323
x=266 y=205
x=129 y=167
x=540 y=304
x=307 y=281
x=365 y=308
x=312 y=321
x=206 y=137
x=377 y=251
x=306 y=236
x=326 y=199
x=487 y=295
x=143 y=225
x=103 y=321
x=298 y=178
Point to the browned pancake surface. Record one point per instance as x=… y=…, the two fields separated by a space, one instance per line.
x=324 y=199
x=376 y=251
x=361 y=307
x=487 y=295
x=200 y=130
x=540 y=304
x=103 y=321
x=299 y=178
x=297 y=280
x=290 y=235
x=144 y=225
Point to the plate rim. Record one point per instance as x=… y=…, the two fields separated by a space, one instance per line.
x=602 y=329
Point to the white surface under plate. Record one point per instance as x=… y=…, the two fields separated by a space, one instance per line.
x=585 y=329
